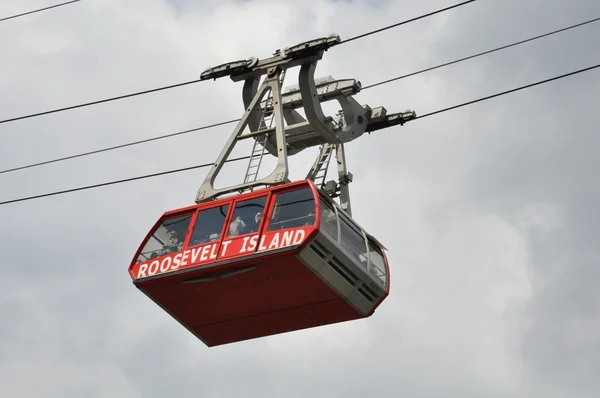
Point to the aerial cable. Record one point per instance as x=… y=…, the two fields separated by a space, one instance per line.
x=198 y=80
x=247 y=157
x=100 y=101
x=120 y=181
x=507 y=92
x=39 y=10
x=456 y=61
x=237 y=120
x=407 y=21
x=79 y=155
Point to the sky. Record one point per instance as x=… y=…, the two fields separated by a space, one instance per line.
x=489 y=211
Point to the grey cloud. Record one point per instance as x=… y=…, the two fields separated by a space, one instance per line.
x=488 y=211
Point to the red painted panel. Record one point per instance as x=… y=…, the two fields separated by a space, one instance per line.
x=274 y=290
x=269 y=294
x=309 y=316
x=285 y=275
x=172 y=288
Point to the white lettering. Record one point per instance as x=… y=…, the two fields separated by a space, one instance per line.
x=300 y=234
x=176 y=261
x=287 y=238
x=205 y=251
x=166 y=263
x=153 y=267
x=253 y=242
x=274 y=242
x=196 y=253
x=243 y=250
x=225 y=244
x=262 y=243
x=277 y=240
x=142 y=271
x=213 y=251
x=184 y=258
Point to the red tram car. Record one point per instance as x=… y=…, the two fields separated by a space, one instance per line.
x=285 y=257
x=270 y=261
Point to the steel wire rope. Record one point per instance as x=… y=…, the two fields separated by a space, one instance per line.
x=480 y=54
x=79 y=155
x=407 y=21
x=38 y=10
x=514 y=44
x=67 y=108
x=54 y=193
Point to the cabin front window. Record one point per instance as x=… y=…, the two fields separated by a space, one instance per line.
x=293 y=209
x=377 y=263
x=247 y=216
x=167 y=238
x=209 y=225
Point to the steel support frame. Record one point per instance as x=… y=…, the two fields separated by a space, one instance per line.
x=317 y=129
x=306 y=55
x=252 y=96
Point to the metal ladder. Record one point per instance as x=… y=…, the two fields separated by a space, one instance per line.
x=258 y=151
x=259 y=147
x=319 y=170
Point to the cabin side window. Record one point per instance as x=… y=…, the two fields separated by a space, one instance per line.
x=167 y=238
x=209 y=225
x=247 y=216
x=293 y=209
x=328 y=219
x=351 y=238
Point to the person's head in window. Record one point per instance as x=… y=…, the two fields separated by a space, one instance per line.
x=257 y=217
x=173 y=240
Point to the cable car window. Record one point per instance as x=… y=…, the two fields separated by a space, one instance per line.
x=209 y=225
x=352 y=239
x=377 y=263
x=293 y=209
x=167 y=238
x=247 y=216
x=328 y=219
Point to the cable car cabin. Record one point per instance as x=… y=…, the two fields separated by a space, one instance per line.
x=266 y=262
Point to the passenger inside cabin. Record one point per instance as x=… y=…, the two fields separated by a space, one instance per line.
x=256 y=223
x=237 y=227
x=172 y=244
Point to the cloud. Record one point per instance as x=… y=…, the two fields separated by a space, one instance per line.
x=488 y=210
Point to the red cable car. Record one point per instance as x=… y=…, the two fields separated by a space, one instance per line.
x=285 y=257
x=267 y=262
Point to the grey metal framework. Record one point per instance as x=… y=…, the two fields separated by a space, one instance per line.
x=278 y=128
